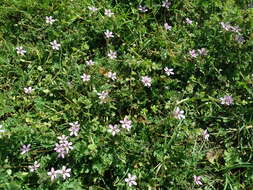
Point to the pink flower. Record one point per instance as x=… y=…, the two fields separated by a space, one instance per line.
x=50 y=20
x=93 y=9
x=28 y=90
x=193 y=53
x=206 y=135
x=197 y=180
x=166 y=4
x=188 y=21
x=90 y=62
x=226 y=100
x=108 y=34
x=85 y=77
x=74 y=129
x=55 y=45
x=108 y=12
x=112 y=54
x=34 y=167
x=20 y=50
x=168 y=71
x=111 y=75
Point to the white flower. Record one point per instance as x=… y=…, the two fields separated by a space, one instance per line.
x=108 y=34
x=34 y=167
x=111 y=75
x=25 y=148
x=178 y=114
x=166 y=4
x=1 y=130
x=90 y=62
x=126 y=123
x=168 y=71
x=63 y=139
x=113 y=129
x=28 y=90
x=227 y=100
x=167 y=26
x=143 y=9
x=188 y=21
x=85 y=77
x=131 y=180
x=206 y=135
x=50 y=20
x=193 y=53
x=53 y=174
x=108 y=12
x=102 y=95
x=112 y=54
x=93 y=9
x=146 y=81
x=20 y=50
x=202 y=51
x=197 y=180
x=55 y=45
x=65 y=172
x=74 y=129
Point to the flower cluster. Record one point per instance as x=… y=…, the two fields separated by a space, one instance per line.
x=64 y=173
x=63 y=147
x=126 y=123
x=199 y=52
x=226 y=100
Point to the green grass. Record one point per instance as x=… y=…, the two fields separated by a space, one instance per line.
x=162 y=151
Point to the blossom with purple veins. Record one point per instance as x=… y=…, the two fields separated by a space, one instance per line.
x=85 y=77
x=108 y=12
x=168 y=71
x=34 y=167
x=25 y=148
x=55 y=45
x=131 y=180
x=178 y=114
x=108 y=34
x=166 y=4
x=126 y=123
x=197 y=180
x=74 y=129
x=112 y=54
x=167 y=26
x=113 y=129
x=226 y=100
x=146 y=81
x=50 y=20
x=20 y=50
x=65 y=172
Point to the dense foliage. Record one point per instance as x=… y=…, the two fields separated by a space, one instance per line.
x=174 y=77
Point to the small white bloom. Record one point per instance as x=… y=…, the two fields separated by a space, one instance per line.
x=202 y=51
x=65 y=172
x=131 y=180
x=50 y=20
x=102 y=95
x=34 y=167
x=53 y=174
x=108 y=34
x=166 y=4
x=111 y=75
x=188 y=21
x=112 y=54
x=168 y=71
x=108 y=12
x=20 y=50
x=90 y=62
x=113 y=129
x=55 y=45
x=178 y=114
x=1 y=130
x=146 y=81
x=93 y=9
x=25 y=148
x=28 y=90
x=85 y=77
x=206 y=135
x=143 y=9
x=197 y=180
x=167 y=26
x=126 y=123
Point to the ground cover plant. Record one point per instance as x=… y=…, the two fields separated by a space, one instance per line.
x=115 y=94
